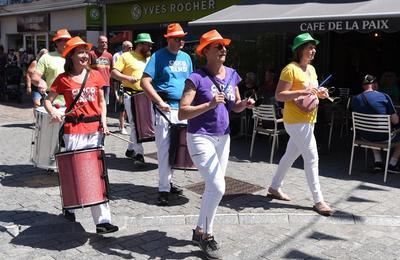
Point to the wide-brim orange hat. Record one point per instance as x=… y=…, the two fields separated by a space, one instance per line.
x=62 y=34
x=175 y=30
x=211 y=37
x=73 y=43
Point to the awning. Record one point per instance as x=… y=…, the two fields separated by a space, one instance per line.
x=299 y=11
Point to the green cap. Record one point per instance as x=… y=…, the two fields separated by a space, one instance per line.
x=143 y=37
x=302 y=39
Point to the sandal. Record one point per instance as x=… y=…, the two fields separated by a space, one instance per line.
x=323 y=209
x=277 y=194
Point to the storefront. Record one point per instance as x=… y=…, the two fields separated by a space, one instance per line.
x=357 y=36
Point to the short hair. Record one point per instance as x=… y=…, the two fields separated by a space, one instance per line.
x=368 y=79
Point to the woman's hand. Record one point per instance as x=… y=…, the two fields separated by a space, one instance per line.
x=309 y=91
x=217 y=99
x=164 y=106
x=249 y=102
x=322 y=93
x=56 y=117
x=105 y=129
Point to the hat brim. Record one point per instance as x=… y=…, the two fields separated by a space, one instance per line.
x=70 y=48
x=55 y=38
x=294 y=47
x=199 y=49
x=180 y=34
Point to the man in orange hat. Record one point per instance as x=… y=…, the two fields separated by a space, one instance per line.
x=163 y=81
x=51 y=64
x=102 y=61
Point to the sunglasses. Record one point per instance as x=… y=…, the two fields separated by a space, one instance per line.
x=220 y=46
x=178 y=39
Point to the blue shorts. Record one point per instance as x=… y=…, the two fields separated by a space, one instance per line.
x=36 y=95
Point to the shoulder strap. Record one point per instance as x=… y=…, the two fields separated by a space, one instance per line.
x=79 y=94
x=368 y=104
x=162 y=114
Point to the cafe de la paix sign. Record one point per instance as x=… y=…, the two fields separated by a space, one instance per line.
x=347 y=25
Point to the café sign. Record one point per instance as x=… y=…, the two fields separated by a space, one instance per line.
x=347 y=25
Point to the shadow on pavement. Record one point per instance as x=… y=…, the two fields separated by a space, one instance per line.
x=153 y=243
x=27 y=176
x=143 y=194
x=126 y=164
x=22 y=125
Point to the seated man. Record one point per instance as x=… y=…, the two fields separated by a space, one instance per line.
x=373 y=102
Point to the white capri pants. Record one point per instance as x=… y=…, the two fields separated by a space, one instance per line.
x=100 y=213
x=162 y=136
x=210 y=154
x=137 y=147
x=301 y=142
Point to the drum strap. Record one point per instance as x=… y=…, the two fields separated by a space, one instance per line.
x=61 y=132
x=82 y=119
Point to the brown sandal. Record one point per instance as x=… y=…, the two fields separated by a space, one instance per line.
x=278 y=195
x=323 y=209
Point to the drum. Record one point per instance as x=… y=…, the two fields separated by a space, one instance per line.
x=142 y=112
x=179 y=157
x=45 y=140
x=83 y=178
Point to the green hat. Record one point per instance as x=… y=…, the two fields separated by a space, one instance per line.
x=143 y=37
x=302 y=39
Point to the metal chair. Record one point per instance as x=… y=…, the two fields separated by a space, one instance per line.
x=266 y=113
x=375 y=124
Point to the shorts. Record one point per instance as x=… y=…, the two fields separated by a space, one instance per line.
x=120 y=107
x=36 y=96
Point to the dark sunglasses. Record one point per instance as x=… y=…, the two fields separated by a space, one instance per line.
x=220 y=46
x=178 y=39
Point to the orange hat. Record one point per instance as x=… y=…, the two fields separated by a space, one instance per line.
x=174 y=30
x=73 y=43
x=62 y=34
x=211 y=37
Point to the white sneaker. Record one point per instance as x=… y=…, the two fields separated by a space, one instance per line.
x=123 y=131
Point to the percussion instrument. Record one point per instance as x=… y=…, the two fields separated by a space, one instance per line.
x=83 y=177
x=142 y=112
x=45 y=139
x=179 y=157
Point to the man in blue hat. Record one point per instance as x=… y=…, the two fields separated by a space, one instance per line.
x=129 y=70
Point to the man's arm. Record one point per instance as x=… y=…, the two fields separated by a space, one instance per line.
x=116 y=74
x=147 y=87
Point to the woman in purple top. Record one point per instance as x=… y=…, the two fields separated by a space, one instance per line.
x=210 y=94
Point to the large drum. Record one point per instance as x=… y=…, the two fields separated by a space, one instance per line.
x=83 y=178
x=179 y=157
x=45 y=141
x=142 y=112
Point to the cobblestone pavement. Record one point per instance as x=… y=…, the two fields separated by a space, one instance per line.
x=366 y=223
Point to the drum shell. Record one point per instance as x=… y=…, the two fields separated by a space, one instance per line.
x=142 y=112
x=83 y=178
x=179 y=152
x=46 y=139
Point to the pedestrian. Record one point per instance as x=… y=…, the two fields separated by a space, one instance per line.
x=50 y=65
x=102 y=60
x=87 y=126
x=129 y=69
x=210 y=94
x=163 y=82
x=32 y=89
x=298 y=80
x=118 y=89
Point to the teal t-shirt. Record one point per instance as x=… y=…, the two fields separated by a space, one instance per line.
x=169 y=72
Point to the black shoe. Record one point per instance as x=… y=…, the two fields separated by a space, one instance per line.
x=139 y=159
x=163 y=198
x=69 y=215
x=210 y=248
x=393 y=169
x=378 y=167
x=195 y=238
x=105 y=228
x=130 y=154
x=175 y=189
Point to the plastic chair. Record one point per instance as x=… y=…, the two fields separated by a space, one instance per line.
x=266 y=113
x=375 y=124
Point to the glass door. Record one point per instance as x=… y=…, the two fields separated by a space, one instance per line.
x=35 y=42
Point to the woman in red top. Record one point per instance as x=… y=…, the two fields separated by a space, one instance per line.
x=86 y=125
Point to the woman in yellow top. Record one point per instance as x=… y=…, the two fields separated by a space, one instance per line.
x=298 y=80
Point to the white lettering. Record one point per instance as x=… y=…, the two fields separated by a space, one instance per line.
x=163 y=9
x=172 y=8
x=180 y=7
x=303 y=27
x=339 y=25
x=211 y=4
x=196 y=6
x=383 y=24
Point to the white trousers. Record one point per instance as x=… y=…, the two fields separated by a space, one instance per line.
x=210 y=154
x=301 y=142
x=162 y=136
x=137 y=147
x=100 y=213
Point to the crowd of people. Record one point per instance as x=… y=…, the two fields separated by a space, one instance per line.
x=80 y=77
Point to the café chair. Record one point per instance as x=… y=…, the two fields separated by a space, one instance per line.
x=265 y=115
x=373 y=123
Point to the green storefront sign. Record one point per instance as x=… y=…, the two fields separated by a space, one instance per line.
x=94 y=18
x=145 y=12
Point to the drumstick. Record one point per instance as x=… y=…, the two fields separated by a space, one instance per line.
x=323 y=82
x=119 y=137
x=72 y=110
